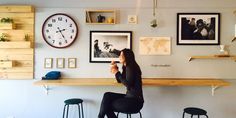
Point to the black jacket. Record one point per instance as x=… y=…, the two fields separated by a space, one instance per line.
x=132 y=79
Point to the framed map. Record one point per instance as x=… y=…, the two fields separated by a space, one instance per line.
x=155 y=46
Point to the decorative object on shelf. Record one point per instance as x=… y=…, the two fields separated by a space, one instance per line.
x=100 y=17
x=52 y=75
x=48 y=62
x=3 y=38
x=60 y=62
x=154 y=21
x=59 y=30
x=27 y=37
x=105 y=46
x=198 y=28
x=6 y=20
x=155 y=46
x=72 y=63
x=132 y=19
x=223 y=50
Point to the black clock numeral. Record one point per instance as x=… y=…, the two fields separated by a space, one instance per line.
x=59 y=18
x=53 y=20
x=49 y=25
x=60 y=43
x=53 y=41
x=66 y=41
x=72 y=30
x=47 y=30
x=71 y=37
x=49 y=37
x=70 y=25
x=66 y=20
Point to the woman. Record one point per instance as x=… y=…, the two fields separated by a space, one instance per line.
x=131 y=78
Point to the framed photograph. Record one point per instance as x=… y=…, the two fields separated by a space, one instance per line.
x=198 y=28
x=71 y=62
x=60 y=62
x=48 y=63
x=105 y=46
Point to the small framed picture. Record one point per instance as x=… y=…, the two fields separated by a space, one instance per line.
x=60 y=62
x=132 y=19
x=48 y=63
x=71 y=62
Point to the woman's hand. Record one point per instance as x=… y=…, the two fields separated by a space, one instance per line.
x=114 y=67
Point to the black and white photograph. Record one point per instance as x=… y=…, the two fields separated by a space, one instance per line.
x=105 y=46
x=198 y=29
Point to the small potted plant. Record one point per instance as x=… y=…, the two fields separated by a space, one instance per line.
x=3 y=38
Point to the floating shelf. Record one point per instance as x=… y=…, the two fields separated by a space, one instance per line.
x=6 y=64
x=7 y=26
x=91 y=17
x=233 y=57
x=19 y=44
x=214 y=83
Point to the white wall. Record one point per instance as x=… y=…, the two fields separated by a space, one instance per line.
x=24 y=100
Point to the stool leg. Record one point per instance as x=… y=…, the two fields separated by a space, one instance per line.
x=206 y=116
x=198 y=116
x=79 y=110
x=117 y=114
x=82 y=110
x=192 y=116
x=64 y=111
x=183 y=114
x=67 y=112
x=130 y=115
x=140 y=114
x=127 y=115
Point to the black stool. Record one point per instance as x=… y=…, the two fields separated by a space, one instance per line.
x=195 y=111
x=74 y=101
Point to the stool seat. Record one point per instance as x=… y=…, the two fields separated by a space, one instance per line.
x=73 y=101
x=195 y=111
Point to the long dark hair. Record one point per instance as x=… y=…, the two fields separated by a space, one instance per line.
x=130 y=60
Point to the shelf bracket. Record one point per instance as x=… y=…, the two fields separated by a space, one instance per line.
x=190 y=59
x=46 y=88
x=213 y=89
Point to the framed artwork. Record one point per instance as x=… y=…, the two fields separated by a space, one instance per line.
x=60 y=62
x=155 y=46
x=71 y=62
x=105 y=46
x=198 y=28
x=48 y=63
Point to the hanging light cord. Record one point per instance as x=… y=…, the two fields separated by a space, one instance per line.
x=154 y=7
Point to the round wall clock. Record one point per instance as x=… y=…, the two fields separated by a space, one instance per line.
x=59 y=30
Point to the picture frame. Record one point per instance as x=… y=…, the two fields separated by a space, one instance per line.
x=48 y=63
x=198 y=28
x=105 y=46
x=60 y=63
x=72 y=63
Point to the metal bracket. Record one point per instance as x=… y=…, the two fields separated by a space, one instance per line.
x=213 y=88
x=46 y=87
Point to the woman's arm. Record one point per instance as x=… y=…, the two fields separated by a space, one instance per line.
x=129 y=79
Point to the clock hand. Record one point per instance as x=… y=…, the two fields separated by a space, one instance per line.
x=61 y=32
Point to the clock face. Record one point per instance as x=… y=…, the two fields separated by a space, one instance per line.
x=59 y=30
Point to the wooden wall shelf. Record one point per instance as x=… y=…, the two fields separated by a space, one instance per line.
x=214 y=83
x=18 y=49
x=91 y=17
x=19 y=44
x=233 y=57
x=7 y=26
x=6 y=64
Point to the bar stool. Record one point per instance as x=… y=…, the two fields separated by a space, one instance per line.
x=74 y=101
x=195 y=111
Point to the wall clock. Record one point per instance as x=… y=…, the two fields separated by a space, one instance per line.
x=59 y=30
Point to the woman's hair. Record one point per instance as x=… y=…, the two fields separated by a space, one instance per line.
x=130 y=59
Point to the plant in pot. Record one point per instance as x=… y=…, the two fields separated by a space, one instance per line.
x=3 y=38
